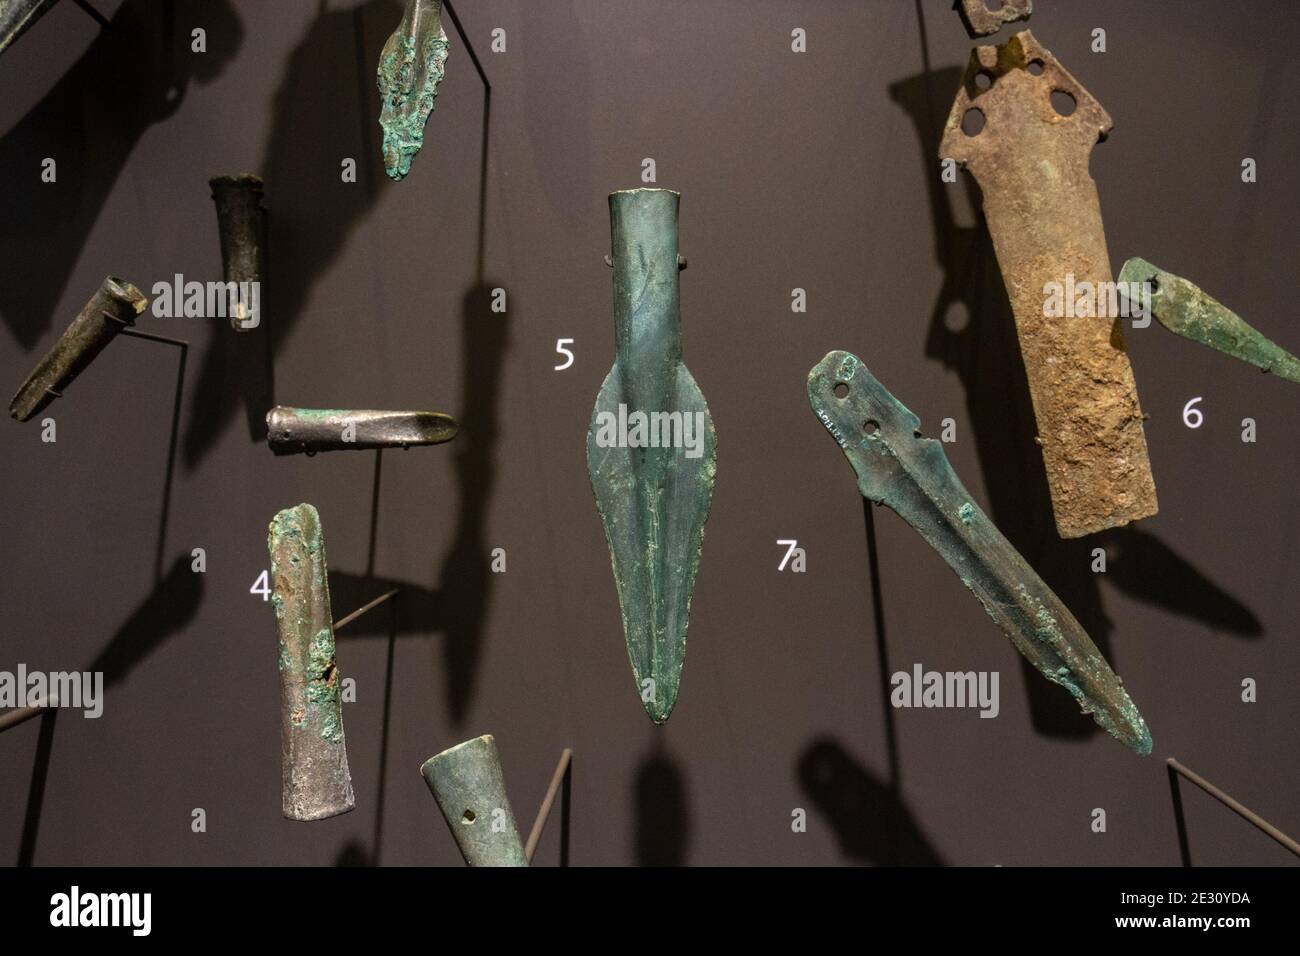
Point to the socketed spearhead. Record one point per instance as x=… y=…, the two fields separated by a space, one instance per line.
x=651 y=448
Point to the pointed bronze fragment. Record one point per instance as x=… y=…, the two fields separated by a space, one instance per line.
x=1041 y=205
x=291 y=431
x=651 y=448
x=910 y=474
x=1182 y=307
x=113 y=307
x=410 y=68
x=470 y=789
x=240 y=219
x=316 y=780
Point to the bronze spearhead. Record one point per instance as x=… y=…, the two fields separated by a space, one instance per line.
x=651 y=448
x=411 y=66
x=291 y=431
x=910 y=474
x=1182 y=307
x=113 y=307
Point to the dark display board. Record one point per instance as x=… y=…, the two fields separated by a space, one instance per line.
x=813 y=170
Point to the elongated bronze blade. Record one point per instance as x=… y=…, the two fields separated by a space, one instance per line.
x=1181 y=307
x=16 y=16
x=291 y=431
x=909 y=474
x=1043 y=213
x=317 y=783
x=112 y=308
x=410 y=68
x=240 y=225
x=470 y=789
x=651 y=448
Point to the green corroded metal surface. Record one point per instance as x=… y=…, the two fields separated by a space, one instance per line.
x=410 y=68
x=910 y=474
x=471 y=792
x=16 y=16
x=653 y=499
x=1182 y=307
x=316 y=780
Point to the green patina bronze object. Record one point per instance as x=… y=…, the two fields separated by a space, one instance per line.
x=316 y=780
x=240 y=223
x=291 y=431
x=910 y=474
x=113 y=307
x=471 y=792
x=651 y=448
x=16 y=16
x=1183 y=308
x=1030 y=158
x=410 y=68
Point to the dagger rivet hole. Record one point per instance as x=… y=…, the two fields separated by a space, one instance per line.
x=1036 y=67
x=871 y=426
x=1064 y=103
x=972 y=121
x=983 y=80
x=841 y=390
x=467 y=817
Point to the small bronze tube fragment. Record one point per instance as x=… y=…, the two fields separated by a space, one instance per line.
x=112 y=308
x=292 y=431
x=239 y=223
x=471 y=792
x=316 y=780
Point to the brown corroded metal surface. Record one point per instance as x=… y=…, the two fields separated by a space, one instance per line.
x=981 y=21
x=113 y=307
x=1043 y=213
x=316 y=779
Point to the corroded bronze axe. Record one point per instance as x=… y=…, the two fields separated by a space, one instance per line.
x=316 y=779
x=1043 y=213
x=910 y=474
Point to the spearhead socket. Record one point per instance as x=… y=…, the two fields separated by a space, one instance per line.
x=470 y=789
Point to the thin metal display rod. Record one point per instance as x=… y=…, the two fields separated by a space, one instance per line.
x=1235 y=806
x=365 y=607
x=451 y=11
x=98 y=17
x=543 y=812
